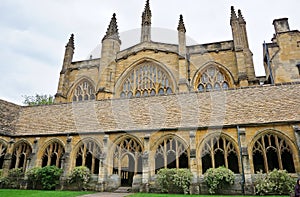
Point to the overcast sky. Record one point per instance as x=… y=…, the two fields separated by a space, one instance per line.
x=34 y=32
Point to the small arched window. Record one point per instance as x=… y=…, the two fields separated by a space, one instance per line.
x=212 y=79
x=84 y=91
x=146 y=79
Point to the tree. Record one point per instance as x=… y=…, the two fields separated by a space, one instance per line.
x=38 y=100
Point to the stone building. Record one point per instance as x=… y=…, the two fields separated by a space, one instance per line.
x=157 y=105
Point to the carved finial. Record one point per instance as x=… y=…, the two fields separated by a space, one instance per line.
x=233 y=14
x=112 y=30
x=146 y=16
x=71 y=42
x=241 y=18
x=181 y=26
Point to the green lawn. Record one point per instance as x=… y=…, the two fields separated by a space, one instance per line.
x=40 y=193
x=179 y=195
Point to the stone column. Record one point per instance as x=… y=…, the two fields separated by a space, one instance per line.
x=146 y=165
x=33 y=157
x=102 y=176
x=65 y=163
x=194 y=188
x=7 y=157
x=248 y=186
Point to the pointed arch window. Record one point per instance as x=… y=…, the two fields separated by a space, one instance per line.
x=88 y=154
x=20 y=155
x=219 y=151
x=84 y=91
x=53 y=155
x=3 y=149
x=171 y=153
x=212 y=79
x=127 y=160
x=146 y=79
x=271 y=151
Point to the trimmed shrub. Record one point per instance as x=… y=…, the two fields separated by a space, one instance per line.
x=218 y=178
x=49 y=176
x=274 y=182
x=81 y=176
x=33 y=176
x=174 y=180
x=14 y=178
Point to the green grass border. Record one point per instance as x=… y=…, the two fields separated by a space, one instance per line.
x=41 y=193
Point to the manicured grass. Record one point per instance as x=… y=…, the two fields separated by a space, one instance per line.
x=40 y=193
x=181 y=195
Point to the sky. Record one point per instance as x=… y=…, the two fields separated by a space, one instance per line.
x=34 y=32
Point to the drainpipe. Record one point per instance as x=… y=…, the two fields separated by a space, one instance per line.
x=189 y=71
x=241 y=160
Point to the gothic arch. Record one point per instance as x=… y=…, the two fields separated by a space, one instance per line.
x=212 y=76
x=270 y=149
x=218 y=149
x=52 y=152
x=87 y=152
x=21 y=153
x=82 y=90
x=170 y=151
x=145 y=77
x=126 y=153
x=3 y=150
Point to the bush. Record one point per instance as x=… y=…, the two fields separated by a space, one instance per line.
x=49 y=176
x=218 y=178
x=81 y=176
x=174 y=180
x=33 y=176
x=274 y=182
x=14 y=178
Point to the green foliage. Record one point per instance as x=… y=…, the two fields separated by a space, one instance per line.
x=14 y=178
x=1 y=170
x=218 y=178
x=38 y=100
x=174 y=180
x=33 y=176
x=275 y=182
x=49 y=176
x=81 y=176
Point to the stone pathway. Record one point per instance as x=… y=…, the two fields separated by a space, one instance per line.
x=106 y=194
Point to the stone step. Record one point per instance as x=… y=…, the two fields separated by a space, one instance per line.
x=123 y=190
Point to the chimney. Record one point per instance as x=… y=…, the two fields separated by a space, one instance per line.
x=281 y=25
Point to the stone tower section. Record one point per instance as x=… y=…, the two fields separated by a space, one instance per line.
x=63 y=85
x=282 y=56
x=244 y=60
x=146 y=24
x=182 y=63
x=110 y=47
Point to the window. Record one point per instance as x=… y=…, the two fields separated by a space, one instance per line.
x=53 y=155
x=84 y=91
x=171 y=153
x=20 y=155
x=212 y=79
x=127 y=160
x=88 y=155
x=219 y=151
x=147 y=79
x=270 y=149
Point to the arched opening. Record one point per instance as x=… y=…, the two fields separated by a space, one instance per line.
x=53 y=154
x=20 y=155
x=171 y=153
x=219 y=151
x=88 y=154
x=127 y=159
x=273 y=150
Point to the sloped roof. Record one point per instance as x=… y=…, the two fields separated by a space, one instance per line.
x=251 y=105
x=9 y=114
